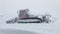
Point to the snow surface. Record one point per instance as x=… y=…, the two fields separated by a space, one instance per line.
x=14 y=31
x=42 y=28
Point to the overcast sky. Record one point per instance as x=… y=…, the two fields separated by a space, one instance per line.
x=33 y=5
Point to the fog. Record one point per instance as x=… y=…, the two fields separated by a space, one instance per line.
x=9 y=8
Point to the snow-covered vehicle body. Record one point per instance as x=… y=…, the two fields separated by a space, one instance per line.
x=24 y=17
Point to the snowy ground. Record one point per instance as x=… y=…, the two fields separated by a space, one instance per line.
x=42 y=28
